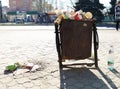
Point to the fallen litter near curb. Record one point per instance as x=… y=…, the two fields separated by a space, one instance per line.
x=18 y=68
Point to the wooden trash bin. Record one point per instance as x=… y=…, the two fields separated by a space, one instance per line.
x=74 y=40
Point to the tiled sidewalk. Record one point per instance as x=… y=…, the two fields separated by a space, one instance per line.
x=20 y=46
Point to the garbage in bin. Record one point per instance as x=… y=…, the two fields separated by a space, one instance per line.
x=78 y=15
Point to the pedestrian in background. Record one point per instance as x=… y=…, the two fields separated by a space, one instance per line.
x=117 y=15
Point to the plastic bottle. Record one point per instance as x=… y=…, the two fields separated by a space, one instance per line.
x=111 y=58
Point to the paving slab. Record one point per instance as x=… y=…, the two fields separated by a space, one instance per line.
x=39 y=45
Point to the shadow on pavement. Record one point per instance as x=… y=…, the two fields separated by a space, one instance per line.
x=109 y=81
x=114 y=71
x=84 y=78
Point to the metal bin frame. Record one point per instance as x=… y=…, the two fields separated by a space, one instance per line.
x=59 y=40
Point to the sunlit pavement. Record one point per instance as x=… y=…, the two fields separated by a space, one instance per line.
x=20 y=44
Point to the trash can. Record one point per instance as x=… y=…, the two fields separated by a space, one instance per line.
x=74 y=40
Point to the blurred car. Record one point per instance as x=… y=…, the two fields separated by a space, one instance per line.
x=19 y=20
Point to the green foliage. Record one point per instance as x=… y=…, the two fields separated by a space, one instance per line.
x=94 y=7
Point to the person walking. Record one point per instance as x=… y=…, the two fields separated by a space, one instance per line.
x=117 y=15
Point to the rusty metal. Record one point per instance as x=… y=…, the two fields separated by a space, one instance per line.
x=74 y=40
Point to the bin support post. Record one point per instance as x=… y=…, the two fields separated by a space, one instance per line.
x=95 y=44
x=58 y=45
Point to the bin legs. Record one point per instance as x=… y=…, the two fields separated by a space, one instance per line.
x=95 y=45
x=58 y=45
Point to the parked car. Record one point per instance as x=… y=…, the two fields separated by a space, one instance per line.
x=19 y=20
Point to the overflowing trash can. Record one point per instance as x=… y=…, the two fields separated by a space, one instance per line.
x=74 y=40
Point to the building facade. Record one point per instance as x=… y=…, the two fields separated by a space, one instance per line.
x=20 y=5
x=21 y=9
x=26 y=9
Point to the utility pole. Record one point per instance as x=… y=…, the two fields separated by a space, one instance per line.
x=56 y=4
x=44 y=7
x=0 y=10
